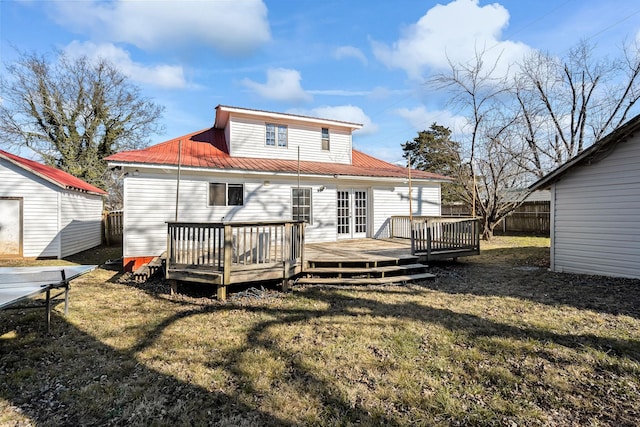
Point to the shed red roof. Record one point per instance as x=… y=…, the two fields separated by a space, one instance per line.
x=56 y=176
x=208 y=149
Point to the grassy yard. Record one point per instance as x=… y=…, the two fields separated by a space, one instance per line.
x=493 y=340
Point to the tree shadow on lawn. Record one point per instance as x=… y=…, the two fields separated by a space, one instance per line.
x=71 y=378
x=523 y=273
x=472 y=329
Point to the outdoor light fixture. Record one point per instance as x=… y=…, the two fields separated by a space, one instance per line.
x=321 y=188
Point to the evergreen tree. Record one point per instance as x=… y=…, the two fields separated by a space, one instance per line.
x=434 y=151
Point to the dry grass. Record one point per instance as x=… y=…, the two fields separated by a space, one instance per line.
x=494 y=340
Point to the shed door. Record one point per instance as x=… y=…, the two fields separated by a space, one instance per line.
x=11 y=227
x=353 y=213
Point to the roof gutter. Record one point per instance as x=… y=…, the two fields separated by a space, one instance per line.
x=48 y=179
x=241 y=172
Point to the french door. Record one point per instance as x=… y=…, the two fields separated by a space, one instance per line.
x=353 y=210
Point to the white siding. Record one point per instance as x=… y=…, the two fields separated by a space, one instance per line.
x=391 y=201
x=596 y=227
x=40 y=209
x=81 y=222
x=150 y=202
x=247 y=139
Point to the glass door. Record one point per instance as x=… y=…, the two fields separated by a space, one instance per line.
x=352 y=213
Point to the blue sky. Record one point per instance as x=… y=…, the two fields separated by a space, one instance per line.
x=361 y=61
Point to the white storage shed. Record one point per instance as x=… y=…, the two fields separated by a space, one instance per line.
x=595 y=207
x=45 y=212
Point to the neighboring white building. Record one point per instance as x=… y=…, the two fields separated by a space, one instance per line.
x=256 y=165
x=595 y=207
x=45 y=212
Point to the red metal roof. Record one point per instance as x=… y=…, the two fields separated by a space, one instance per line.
x=207 y=149
x=56 y=176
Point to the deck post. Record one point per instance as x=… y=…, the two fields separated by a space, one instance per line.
x=413 y=238
x=221 y=292
x=287 y=241
x=302 y=240
x=391 y=226
x=173 y=285
x=228 y=254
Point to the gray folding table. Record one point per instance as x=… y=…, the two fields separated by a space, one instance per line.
x=20 y=283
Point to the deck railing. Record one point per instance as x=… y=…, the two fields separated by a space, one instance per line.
x=239 y=246
x=438 y=235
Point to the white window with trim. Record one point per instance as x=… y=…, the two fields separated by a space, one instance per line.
x=325 y=139
x=276 y=135
x=301 y=204
x=223 y=194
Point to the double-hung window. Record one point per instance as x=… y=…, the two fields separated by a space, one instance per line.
x=222 y=194
x=301 y=204
x=325 y=139
x=276 y=135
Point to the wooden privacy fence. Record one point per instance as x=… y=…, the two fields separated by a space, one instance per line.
x=228 y=253
x=112 y=225
x=438 y=237
x=530 y=217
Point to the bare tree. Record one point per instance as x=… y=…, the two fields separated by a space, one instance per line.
x=73 y=113
x=488 y=173
x=521 y=126
x=566 y=104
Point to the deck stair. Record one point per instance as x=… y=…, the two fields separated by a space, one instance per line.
x=371 y=270
x=150 y=269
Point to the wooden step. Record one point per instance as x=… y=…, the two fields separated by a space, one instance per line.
x=363 y=281
x=385 y=271
x=372 y=262
x=147 y=270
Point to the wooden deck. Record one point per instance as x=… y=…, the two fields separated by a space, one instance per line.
x=224 y=254
x=362 y=262
x=372 y=251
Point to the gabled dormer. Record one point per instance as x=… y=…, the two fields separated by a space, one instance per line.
x=270 y=135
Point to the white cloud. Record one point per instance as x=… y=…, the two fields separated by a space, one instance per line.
x=350 y=52
x=455 y=32
x=339 y=92
x=422 y=119
x=380 y=92
x=168 y=76
x=282 y=84
x=345 y=113
x=231 y=27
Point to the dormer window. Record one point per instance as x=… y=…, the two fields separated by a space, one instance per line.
x=276 y=135
x=325 y=139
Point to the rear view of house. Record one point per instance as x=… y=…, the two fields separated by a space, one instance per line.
x=595 y=207
x=254 y=165
x=45 y=212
